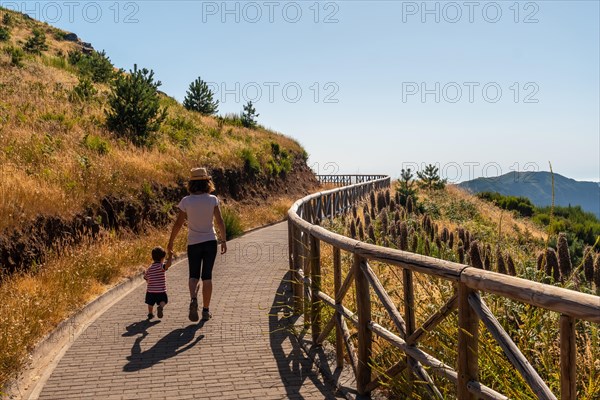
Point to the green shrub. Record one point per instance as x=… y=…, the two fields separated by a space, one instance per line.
x=251 y=163
x=16 y=55
x=4 y=34
x=180 y=130
x=7 y=19
x=280 y=162
x=522 y=205
x=233 y=223
x=84 y=90
x=96 y=143
x=36 y=43
x=56 y=62
x=96 y=66
x=230 y=119
x=134 y=110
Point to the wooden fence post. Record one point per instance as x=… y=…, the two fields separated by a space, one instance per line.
x=297 y=284
x=306 y=269
x=337 y=285
x=468 y=324
x=315 y=283
x=409 y=315
x=363 y=308
x=568 y=355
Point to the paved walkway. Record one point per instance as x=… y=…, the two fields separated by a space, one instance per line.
x=245 y=352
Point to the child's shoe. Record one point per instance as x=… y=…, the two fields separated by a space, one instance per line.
x=159 y=311
x=150 y=316
x=206 y=315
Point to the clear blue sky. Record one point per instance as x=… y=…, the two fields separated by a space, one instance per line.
x=383 y=83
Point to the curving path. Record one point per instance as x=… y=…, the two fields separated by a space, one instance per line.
x=247 y=351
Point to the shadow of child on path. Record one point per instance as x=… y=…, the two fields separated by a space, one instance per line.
x=174 y=343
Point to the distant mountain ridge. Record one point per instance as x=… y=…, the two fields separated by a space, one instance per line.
x=537 y=186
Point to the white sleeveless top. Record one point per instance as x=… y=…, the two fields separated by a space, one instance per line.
x=200 y=210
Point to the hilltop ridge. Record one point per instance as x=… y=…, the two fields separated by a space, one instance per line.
x=537 y=186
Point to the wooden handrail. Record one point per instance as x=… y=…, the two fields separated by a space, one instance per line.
x=304 y=218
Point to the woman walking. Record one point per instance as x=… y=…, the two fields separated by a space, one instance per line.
x=200 y=208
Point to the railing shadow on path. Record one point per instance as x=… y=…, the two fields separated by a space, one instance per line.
x=170 y=345
x=293 y=364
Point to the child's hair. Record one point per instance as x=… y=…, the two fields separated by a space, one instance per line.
x=158 y=253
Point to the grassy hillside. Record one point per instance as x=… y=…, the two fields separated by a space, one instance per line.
x=454 y=225
x=56 y=155
x=58 y=161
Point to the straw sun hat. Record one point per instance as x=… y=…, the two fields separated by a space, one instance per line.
x=199 y=174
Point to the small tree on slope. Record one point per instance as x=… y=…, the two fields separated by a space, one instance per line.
x=134 y=107
x=249 y=116
x=199 y=98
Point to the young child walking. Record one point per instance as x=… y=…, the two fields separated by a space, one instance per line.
x=156 y=292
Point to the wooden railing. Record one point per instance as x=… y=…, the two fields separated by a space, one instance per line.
x=346 y=180
x=305 y=239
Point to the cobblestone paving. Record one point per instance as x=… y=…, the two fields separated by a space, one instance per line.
x=245 y=352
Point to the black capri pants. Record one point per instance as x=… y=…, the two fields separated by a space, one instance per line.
x=201 y=258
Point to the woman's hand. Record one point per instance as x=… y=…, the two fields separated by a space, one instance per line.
x=223 y=247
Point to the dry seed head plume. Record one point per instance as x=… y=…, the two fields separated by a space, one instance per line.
x=564 y=258
x=475 y=255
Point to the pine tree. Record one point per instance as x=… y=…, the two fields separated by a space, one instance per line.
x=134 y=107
x=406 y=187
x=430 y=178
x=249 y=116
x=199 y=98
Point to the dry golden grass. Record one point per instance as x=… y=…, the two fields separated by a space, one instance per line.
x=511 y=223
x=254 y=217
x=534 y=330
x=35 y=302
x=44 y=154
x=47 y=166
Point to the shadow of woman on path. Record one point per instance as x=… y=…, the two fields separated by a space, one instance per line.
x=293 y=364
x=174 y=343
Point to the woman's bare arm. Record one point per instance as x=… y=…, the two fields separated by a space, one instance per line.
x=181 y=217
x=221 y=229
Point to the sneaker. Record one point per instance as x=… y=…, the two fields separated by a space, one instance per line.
x=159 y=311
x=150 y=316
x=194 y=310
x=206 y=315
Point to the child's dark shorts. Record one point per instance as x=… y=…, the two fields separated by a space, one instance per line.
x=156 y=298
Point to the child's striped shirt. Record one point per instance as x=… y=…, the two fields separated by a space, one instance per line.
x=155 y=275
